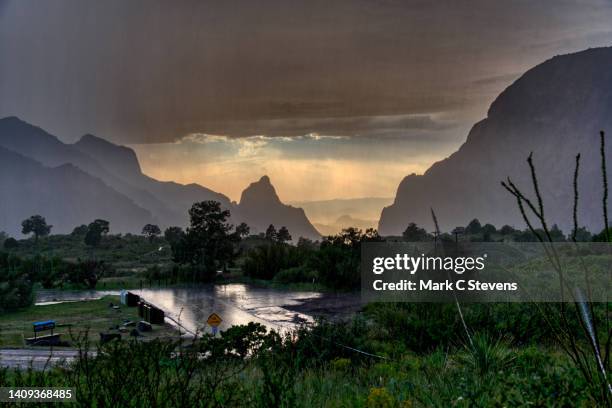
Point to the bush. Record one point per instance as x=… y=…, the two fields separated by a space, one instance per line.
x=10 y=243
x=338 y=267
x=266 y=261
x=300 y=274
x=487 y=355
x=380 y=397
x=338 y=259
x=83 y=273
x=156 y=273
x=16 y=289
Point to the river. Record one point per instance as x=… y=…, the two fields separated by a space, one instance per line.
x=235 y=303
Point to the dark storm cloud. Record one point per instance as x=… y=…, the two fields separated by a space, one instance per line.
x=152 y=71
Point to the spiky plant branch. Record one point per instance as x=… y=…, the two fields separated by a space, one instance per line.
x=573 y=349
x=568 y=342
x=575 y=210
x=574 y=240
x=604 y=177
x=587 y=315
x=536 y=188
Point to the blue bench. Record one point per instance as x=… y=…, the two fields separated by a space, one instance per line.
x=42 y=326
x=46 y=340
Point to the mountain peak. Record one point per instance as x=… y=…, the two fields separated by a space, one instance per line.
x=16 y=123
x=260 y=192
x=570 y=78
x=260 y=207
x=9 y=119
x=89 y=138
x=120 y=159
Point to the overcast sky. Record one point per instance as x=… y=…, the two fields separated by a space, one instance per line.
x=330 y=98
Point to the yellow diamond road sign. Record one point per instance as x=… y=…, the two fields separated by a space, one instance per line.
x=214 y=320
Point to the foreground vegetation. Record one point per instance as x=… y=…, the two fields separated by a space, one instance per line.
x=415 y=357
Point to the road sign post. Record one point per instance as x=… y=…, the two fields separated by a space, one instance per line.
x=214 y=320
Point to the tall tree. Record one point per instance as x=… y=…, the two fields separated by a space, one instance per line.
x=283 y=235
x=338 y=259
x=36 y=225
x=79 y=231
x=556 y=234
x=242 y=230
x=458 y=231
x=489 y=229
x=208 y=243
x=583 y=235
x=95 y=231
x=307 y=244
x=10 y=243
x=414 y=233
x=173 y=235
x=271 y=233
x=474 y=227
x=151 y=231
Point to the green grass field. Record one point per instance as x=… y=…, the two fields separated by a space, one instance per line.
x=127 y=253
x=74 y=318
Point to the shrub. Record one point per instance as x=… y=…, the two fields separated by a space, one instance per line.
x=266 y=261
x=341 y=364
x=296 y=274
x=486 y=355
x=379 y=397
x=156 y=273
x=338 y=267
x=16 y=289
x=10 y=243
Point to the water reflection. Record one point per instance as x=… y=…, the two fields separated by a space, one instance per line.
x=235 y=303
x=52 y=296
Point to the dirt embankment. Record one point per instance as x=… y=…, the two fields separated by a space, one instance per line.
x=329 y=305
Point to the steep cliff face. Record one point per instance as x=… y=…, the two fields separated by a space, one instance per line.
x=554 y=110
x=65 y=195
x=260 y=206
x=169 y=201
x=119 y=160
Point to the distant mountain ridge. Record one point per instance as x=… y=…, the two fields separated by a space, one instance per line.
x=27 y=187
x=95 y=168
x=328 y=211
x=169 y=201
x=555 y=110
x=35 y=143
x=343 y=222
x=120 y=160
